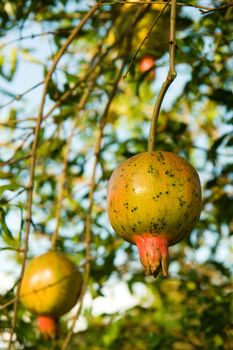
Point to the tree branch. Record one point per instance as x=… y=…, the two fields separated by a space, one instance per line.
x=203 y=9
x=88 y=256
x=65 y=161
x=57 y=58
x=170 y=77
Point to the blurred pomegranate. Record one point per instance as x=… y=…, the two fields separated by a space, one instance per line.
x=50 y=288
x=146 y=63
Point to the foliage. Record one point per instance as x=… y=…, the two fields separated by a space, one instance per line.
x=88 y=104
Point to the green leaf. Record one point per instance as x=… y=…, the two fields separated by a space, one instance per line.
x=5 y=231
x=9 y=187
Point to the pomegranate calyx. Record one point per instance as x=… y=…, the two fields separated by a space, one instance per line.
x=48 y=326
x=153 y=252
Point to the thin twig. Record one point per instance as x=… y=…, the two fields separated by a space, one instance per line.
x=19 y=96
x=33 y=36
x=97 y=58
x=13 y=161
x=145 y=39
x=170 y=77
x=220 y=36
x=8 y=303
x=206 y=10
x=88 y=256
x=17 y=121
x=90 y=78
x=65 y=163
x=203 y=9
x=12 y=198
x=57 y=58
x=9 y=126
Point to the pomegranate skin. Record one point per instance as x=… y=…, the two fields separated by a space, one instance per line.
x=51 y=285
x=154 y=201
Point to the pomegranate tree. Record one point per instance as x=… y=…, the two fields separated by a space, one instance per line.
x=154 y=201
x=50 y=288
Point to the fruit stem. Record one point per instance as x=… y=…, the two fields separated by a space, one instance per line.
x=169 y=79
x=153 y=252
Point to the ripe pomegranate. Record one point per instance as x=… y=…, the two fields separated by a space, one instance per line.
x=146 y=63
x=154 y=201
x=50 y=287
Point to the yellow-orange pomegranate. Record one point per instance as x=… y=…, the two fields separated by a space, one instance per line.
x=154 y=201
x=50 y=287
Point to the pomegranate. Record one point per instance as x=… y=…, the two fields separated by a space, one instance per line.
x=50 y=287
x=146 y=63
x=154 y=201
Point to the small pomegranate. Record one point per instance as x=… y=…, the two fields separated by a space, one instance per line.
x=154 y=201
x=50 y=287
x=146 y=63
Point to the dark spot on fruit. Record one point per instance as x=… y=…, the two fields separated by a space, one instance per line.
x=151 y=169
x=169 y=173
x=166 y=192
x=161 y=155
x=194 y=219
x=181 y=201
